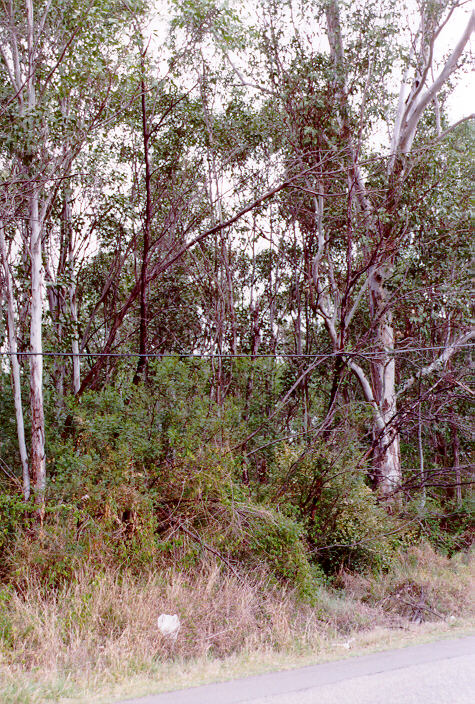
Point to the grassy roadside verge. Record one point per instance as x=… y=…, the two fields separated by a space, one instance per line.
x=205 y=671
x=36 y=687
x=95 y=638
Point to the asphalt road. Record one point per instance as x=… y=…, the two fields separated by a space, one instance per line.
x=442 y=672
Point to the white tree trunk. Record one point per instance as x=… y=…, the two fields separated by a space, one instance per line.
x=13 y=350
x=38 y=461
x=382 y=394
x=386 y=458
x=420 y=98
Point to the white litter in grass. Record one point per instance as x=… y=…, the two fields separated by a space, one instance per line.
x=169 y=625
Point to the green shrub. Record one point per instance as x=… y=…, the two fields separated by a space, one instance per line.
x=447 y=526
x=200 y=502
x=359 y=534
x=344 y=524
x=129 y=491
x=6 y=625
x=14 y=512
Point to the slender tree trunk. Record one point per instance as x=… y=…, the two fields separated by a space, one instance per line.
x=75 y=339
x=421 y=457
x=15 y=366
x=143 y=341
x=456 y=452
x=68 y=263
x=230 y=297
x=38 y=461
x=224 y=304
x=56 y=309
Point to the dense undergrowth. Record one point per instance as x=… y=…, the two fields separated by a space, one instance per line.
x=152 y=507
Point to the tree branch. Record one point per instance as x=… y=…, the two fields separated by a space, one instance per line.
x=415 y=113
x=439 y=362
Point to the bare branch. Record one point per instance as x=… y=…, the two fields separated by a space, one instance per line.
x=438 y=363
x=416 y=110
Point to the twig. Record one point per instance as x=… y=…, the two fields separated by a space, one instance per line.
x=9 y=473
x=197 y=539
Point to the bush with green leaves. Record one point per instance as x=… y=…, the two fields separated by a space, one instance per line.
x=352 y=531
x=344 y=523
x=14 y=514
x=446 y=525
x=199 y=502
x=144 y=477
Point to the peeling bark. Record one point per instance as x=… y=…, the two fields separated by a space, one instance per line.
x=386 y=458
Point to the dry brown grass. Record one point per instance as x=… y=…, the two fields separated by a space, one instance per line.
x=101 y=629
x=422 y=585
x=101 y=621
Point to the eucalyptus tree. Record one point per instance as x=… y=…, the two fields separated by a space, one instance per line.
x=20 y=59
x=384 y=222
x=159 y=204
x=50 y=55
x=342 y=74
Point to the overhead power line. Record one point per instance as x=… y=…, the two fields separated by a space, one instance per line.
x=265 y=355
